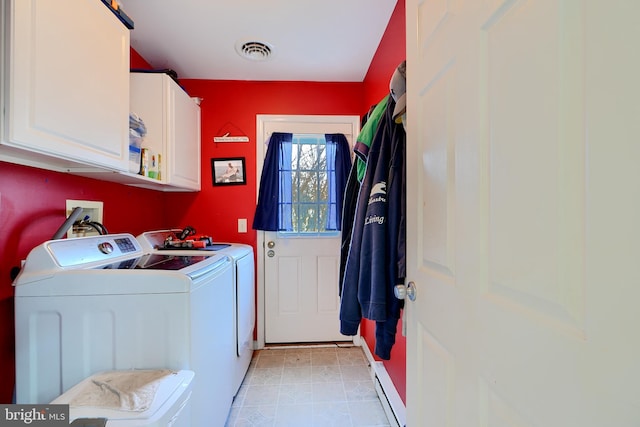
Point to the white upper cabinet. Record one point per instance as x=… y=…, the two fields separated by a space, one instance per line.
x=172 y=120
x=66 y=73
x=183 y=142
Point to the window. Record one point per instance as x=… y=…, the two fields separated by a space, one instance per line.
x=309 y=203
x=303 y=176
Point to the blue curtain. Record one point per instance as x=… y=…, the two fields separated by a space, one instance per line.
x=338 y=165
x=273 y=212
x=285 y=212
x=268 y=211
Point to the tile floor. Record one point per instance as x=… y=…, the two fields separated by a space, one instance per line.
x=308 y=386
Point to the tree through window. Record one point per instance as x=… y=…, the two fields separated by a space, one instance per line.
x=310 y=175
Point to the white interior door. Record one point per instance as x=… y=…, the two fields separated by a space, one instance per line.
x=298 y=275
x=523 y=213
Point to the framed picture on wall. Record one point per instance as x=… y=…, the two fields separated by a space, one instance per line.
x=228 y=171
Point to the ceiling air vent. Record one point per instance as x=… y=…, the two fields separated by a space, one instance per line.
x=255 y=51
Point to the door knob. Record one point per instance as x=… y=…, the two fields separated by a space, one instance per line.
x=271 y=244
x=408 y=291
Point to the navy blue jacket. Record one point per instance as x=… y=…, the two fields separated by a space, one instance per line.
x=376 y=258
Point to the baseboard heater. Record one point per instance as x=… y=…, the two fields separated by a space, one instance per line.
x=387 y=393
x=389 y=397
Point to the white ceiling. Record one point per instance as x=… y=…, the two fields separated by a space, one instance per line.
x=313 y=40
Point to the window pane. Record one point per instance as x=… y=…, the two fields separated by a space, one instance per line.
x=308 y=157
x=294 y=217
x=310 y=187
x=323 y=184
x=322 y=217
x=308 y=219
x=322 y=157
x=295 y=183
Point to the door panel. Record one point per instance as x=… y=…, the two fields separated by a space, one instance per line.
x=302 y=296
x=522 y=213
x=537 y=265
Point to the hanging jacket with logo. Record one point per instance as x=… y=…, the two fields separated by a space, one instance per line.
x=376 y=259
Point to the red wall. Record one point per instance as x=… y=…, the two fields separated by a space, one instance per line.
x=390 y=53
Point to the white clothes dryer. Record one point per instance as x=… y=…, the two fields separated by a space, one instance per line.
x=244 y=294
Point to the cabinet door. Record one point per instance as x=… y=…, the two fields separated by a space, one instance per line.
x=172 y=120
x=149 y=102
x=69 y=82
x=184 y=139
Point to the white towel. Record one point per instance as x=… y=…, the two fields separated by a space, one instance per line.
x=122 y=390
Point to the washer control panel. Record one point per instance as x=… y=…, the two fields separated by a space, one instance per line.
x=81 y=251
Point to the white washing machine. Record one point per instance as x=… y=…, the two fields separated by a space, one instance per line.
x=244 y=295
x=169 y=403
x=101 y=303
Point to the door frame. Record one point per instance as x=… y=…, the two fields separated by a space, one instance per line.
x=282 y=123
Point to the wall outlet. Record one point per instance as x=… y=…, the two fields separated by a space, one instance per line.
x=92 y=210
x=242 y=225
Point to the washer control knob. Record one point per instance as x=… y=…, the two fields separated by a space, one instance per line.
x=105 y=247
